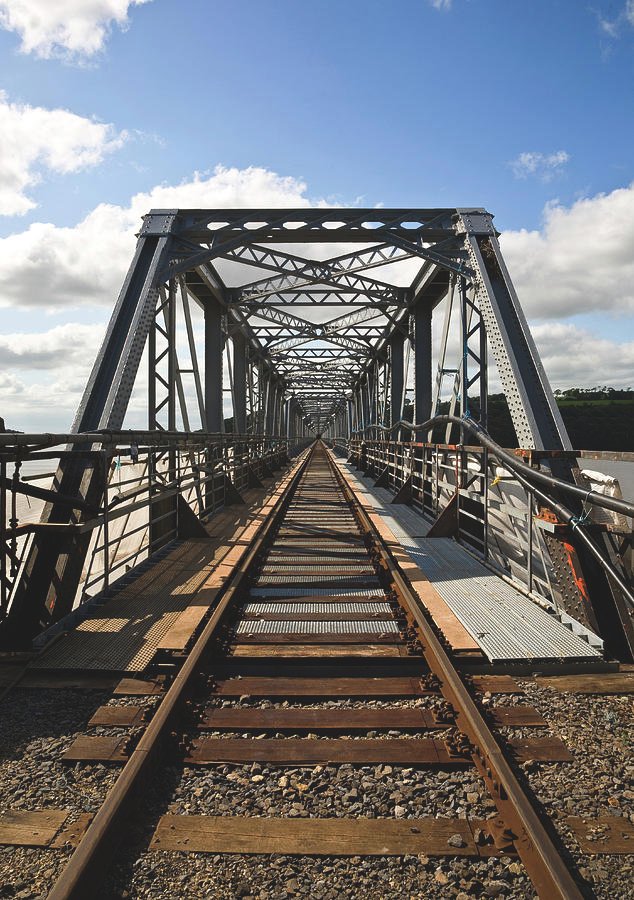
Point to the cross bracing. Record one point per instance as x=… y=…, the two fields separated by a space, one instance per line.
x=274 y=324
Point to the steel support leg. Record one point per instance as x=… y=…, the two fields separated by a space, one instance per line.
x=213 y=367
x=239 y=383
x=422 y=365
x=396 y=396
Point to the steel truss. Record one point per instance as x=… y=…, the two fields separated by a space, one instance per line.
x=212 y=300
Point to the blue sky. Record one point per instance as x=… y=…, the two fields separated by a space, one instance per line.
x=525 y=108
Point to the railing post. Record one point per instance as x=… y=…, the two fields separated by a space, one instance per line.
x=4 y=585
x=105 y=466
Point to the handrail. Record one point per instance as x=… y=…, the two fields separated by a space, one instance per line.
x=512 y=462
x=527 y=477
x=150 y=438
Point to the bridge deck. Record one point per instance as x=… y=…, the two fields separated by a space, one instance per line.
x=474 y=608
x=505 y=624
x=124 y=633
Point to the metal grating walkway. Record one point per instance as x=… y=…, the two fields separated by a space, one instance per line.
x=123 y=634
x=506 y=624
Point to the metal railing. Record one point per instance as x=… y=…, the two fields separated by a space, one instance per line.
x=153 y=487
x=496 y=513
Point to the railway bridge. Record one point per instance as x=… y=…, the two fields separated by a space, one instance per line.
x=281 y=525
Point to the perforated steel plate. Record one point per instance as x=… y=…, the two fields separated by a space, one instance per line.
x=316 y=608
x=301 y=626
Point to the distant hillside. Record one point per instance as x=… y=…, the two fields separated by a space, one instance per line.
x=599 y=419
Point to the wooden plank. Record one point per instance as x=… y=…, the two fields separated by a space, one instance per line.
x=85 y=681
x=181 y=632
x=517 y=716
x=320 y=650
x=340 y=720
x=330 y=837
x=311 y=751
x=71 y=835
x=118 y=716
x=496 y=684
x=139 y=687
x=299 y=686
x=605 y=834
x=344 y=720
x=90 y=748
x=546 y=749
x=591 y=683
x=21 y=828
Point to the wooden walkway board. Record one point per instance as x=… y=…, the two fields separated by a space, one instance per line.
x=19 y=828
x=118 y=716
x=496 y=684
x=606 y=834
x=89 y=748
x=311 y=751
x=316 y=719
x=139 y=687
x=313 y=837
x=252 y=686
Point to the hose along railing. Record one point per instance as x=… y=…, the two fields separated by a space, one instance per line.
x=145 y=478
x=549 y=490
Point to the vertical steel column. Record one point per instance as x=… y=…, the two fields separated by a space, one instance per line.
x=213 y=367
x=365 y=405
x=239 y=382
x=396 y=381
x=422 y=366
x=271 y=396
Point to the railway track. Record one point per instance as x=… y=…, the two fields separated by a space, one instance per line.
x=318 y=653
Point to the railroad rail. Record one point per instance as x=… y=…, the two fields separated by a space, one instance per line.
x=318 y=605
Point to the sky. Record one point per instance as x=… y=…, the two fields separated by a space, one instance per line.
x=110 y=107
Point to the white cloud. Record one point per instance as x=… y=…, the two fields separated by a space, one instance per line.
x=612 y=28
x=575 y=357
x=580 y=261
x=68 y=345
x=441 y=4
x=42 y=375
x=72 y=29
x=51 y=267
x=539 y=165
x=34 y=140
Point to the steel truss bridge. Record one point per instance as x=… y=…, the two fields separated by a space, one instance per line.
x=241 y=335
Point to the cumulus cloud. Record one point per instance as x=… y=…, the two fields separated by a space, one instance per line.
x=34 y=140
x=64 y=346
x=72 y=29
x=539 y=165
x=574 y=356
x=51 y=267
x=581 y=259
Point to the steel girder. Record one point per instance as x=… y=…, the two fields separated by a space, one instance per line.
x=352 y=368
